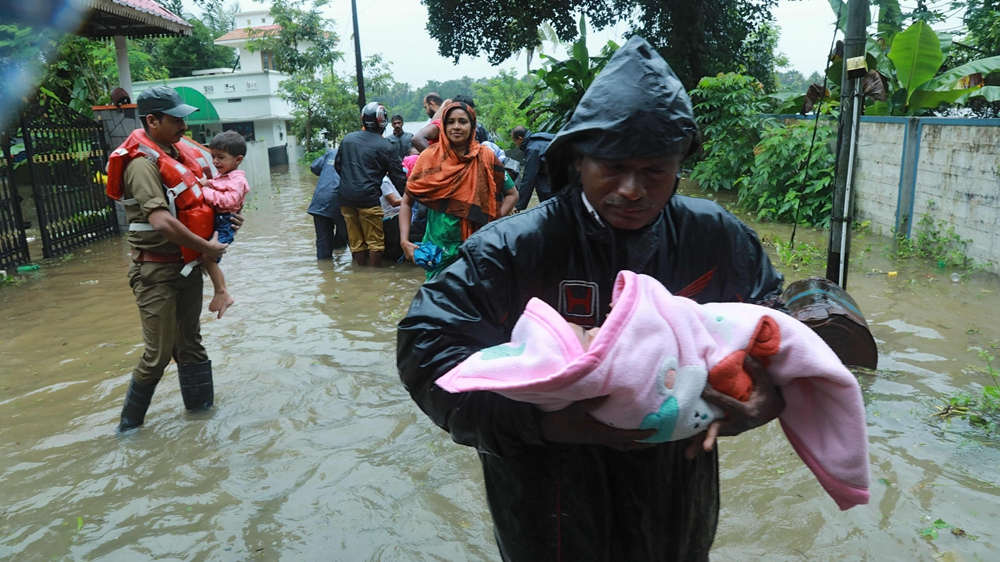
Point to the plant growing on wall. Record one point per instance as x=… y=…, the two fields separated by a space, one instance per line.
x=727 y=108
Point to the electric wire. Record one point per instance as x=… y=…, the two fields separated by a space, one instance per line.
x=812 y=143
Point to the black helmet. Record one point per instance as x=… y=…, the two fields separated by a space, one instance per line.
x=374 y=116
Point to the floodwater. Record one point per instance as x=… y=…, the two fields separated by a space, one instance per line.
x=314 y=451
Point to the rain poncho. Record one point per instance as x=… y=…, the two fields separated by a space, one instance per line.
x=636 y=108
x=577 y=502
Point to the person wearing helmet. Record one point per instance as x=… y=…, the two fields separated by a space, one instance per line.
x=561 y=485
x=363 y=159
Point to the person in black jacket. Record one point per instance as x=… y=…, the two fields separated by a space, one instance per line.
x=533 y=176
x=363 y=159
x=561 y=485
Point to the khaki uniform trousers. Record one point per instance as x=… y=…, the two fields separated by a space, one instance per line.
x=170 y=310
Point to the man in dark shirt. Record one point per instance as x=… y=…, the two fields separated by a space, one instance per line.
x=533 y=174
x=401 y=141
x=363 y=159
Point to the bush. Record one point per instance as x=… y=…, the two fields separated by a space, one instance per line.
x=782 y=181
x=727 y=108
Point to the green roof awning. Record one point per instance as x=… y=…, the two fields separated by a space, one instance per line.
x=206 y=111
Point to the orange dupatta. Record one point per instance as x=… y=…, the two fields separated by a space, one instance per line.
x=467 y=186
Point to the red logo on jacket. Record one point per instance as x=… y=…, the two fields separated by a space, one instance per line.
x=578 y=302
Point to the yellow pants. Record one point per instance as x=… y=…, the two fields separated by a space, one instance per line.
x=364 y=229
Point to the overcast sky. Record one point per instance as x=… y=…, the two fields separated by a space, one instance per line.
x=397 y=29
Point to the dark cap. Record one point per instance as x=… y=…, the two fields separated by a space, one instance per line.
x=164 y=100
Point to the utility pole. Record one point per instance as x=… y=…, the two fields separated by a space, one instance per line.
x=357 y=56
x=851 y=101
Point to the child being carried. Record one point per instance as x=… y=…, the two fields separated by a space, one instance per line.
x=225 y=194
x=655 y=354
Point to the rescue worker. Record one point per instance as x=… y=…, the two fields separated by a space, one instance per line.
x=560 y=485
x=167 y=292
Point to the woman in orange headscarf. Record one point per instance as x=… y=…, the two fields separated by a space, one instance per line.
x=462 y=184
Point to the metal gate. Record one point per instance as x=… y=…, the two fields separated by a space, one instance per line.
x=13 y=243
x=66 y=156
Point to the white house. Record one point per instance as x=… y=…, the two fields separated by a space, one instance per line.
x=244 y=98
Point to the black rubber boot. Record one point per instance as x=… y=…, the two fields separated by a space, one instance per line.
x=136 y=403
x=196 y=385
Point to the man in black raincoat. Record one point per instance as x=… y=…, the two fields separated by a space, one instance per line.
x=560 y=485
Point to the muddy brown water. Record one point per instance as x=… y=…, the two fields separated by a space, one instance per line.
x=314 y=451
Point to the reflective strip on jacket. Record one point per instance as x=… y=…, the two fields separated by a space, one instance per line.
x=180 y=181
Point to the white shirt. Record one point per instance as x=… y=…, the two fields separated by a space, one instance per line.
x=388 y=211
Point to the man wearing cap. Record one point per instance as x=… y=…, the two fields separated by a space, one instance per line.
x=169 y=300
x=364 y=158
x=561 y=485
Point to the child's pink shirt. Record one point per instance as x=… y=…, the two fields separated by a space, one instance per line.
x=225 y=193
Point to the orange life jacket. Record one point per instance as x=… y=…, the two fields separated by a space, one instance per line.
x=180 y=180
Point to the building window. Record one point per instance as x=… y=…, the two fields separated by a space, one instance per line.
x=251 y=85
x=234 y=100
x=244 y=128
x=266 y=60
x=230 y=87
x=209 y=89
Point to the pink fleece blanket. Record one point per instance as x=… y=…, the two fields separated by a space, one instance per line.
x=653 y=357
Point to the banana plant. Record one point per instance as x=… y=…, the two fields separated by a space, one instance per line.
x=908 y=65
x=915 y=82
x=561 y=84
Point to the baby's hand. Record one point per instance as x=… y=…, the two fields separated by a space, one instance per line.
x=203 y=181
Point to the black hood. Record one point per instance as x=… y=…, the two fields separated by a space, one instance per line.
x=635 y=108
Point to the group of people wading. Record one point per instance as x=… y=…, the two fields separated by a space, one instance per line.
x=560 y=484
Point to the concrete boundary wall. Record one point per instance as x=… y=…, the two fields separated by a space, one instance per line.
x=945 y=168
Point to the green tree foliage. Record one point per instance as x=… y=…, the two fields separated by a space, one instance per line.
x=329 y=103
x=704 y=38
x=727 y=108
x=182 y=55
x=306 y=42
x=561 y=84
x=911 y=64
x=497 y=104
x=794 y=81
x=304 y=49
x=697 y=38
x=782 y=184
x=982 y=20
x=84 y=71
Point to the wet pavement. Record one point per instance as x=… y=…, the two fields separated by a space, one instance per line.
x=314 y=450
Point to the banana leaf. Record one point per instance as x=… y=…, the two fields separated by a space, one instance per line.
x=916 y=54
x=930 y=99
x=989 y=93
x=949 y=78
x=879 y=108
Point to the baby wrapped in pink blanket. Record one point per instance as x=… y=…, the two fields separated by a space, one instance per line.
x=653 y=357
